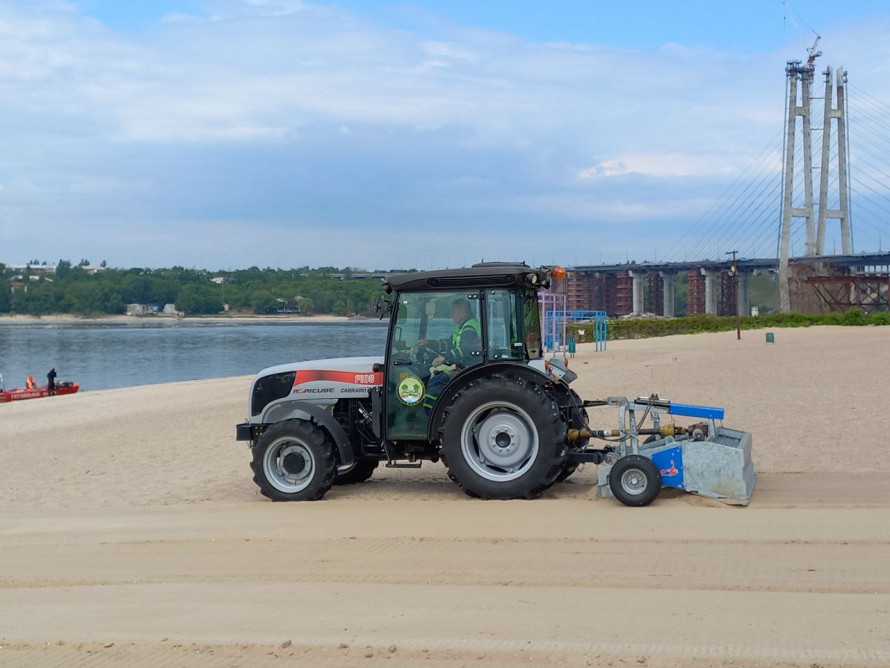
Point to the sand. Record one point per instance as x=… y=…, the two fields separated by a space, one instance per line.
x=132 y=534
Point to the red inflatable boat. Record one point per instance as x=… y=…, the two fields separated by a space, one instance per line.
x=20 y=393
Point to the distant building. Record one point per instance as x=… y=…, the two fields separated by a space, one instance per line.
x=141 y=309
x=51 y=268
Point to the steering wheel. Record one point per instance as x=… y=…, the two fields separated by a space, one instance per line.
x=425 y=355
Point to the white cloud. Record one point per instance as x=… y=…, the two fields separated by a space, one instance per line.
x=282 y=110
x=449 y=51
x=661 y=165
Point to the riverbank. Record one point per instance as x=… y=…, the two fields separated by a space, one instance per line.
x=131 y=533
x=107 y=355
x=67 y=319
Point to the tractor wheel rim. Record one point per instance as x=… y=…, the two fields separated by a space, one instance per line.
x=633 y=481
x=499 y=441
x=279 y=461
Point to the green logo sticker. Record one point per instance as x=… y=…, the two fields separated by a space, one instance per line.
x=410 y=390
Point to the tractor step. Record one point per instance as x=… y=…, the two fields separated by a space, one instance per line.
x=406 y=465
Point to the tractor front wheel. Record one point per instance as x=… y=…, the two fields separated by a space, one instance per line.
x=293 y=461
x=503 y=438
x=361 y=471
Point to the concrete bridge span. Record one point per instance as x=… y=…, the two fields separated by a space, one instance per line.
x=715 y=287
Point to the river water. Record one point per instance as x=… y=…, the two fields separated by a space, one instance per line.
x=107 y=356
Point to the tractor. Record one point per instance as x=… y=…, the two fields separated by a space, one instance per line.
x=502 y=419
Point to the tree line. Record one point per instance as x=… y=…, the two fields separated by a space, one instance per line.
x=79 y=289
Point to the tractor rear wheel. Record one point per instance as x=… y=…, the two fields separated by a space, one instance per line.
x=635 y=480
x=293 y=461
x=579 y=420
x=503 y=438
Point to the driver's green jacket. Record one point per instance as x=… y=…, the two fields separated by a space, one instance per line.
x=466 y=339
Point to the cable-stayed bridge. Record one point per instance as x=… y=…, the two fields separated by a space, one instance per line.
x=818 y=225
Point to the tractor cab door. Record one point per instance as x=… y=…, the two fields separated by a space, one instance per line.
x=424 y=326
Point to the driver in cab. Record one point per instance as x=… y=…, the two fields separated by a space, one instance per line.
x=458 y=350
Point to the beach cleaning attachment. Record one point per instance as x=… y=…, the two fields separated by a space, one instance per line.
x=703 y=458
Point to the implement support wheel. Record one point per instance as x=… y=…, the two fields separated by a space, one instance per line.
x=635 y=480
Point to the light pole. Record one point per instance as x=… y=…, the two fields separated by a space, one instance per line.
x=735 y=289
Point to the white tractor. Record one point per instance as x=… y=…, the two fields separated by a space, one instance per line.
x=463 y=380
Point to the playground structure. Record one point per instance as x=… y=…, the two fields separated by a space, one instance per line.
x=555 y=318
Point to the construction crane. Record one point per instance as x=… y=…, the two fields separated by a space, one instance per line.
x=812 y=54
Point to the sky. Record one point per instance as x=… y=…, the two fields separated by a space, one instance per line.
x=224 y=134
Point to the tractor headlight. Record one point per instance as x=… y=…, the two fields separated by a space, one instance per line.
x=269 y=388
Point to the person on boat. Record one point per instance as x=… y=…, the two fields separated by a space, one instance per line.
x=51 y=381
x=30 y=384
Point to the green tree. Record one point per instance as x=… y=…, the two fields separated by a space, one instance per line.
x=5 y=296
x=137 y=289
x=92 y=297
x=305 y=305
x=41 y=298
x=263 y=302
x=63 y=269
x=198 y=299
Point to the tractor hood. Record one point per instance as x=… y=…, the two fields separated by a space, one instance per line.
x=318 y=381
x=348 y=365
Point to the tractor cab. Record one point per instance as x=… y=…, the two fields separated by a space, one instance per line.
x=447 y=324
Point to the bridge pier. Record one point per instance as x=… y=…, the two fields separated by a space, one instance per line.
x=711 y=293
x=669 y=297
x=736 y=293
x=638 y=291
x=744 y=293
x=654 y=296
x=661 y=296
x=612 y=293
x=695 y=302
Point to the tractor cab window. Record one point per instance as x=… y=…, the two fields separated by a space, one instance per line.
x=504 y=331
x=445 y=323
x=435 y=336
x=531 y=326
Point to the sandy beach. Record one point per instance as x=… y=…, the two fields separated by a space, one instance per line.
x=131 y=533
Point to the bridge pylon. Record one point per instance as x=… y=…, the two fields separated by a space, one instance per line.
x=839 y=115
x=798 y=105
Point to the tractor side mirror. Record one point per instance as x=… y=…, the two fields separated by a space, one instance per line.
x=383 y=307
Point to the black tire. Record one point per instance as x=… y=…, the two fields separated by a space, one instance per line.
x=503 y=438
x=293 y=461
x=568 y=468
x=363 y=469
x=454 y=479
x=579 y=420
x=635 y=480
